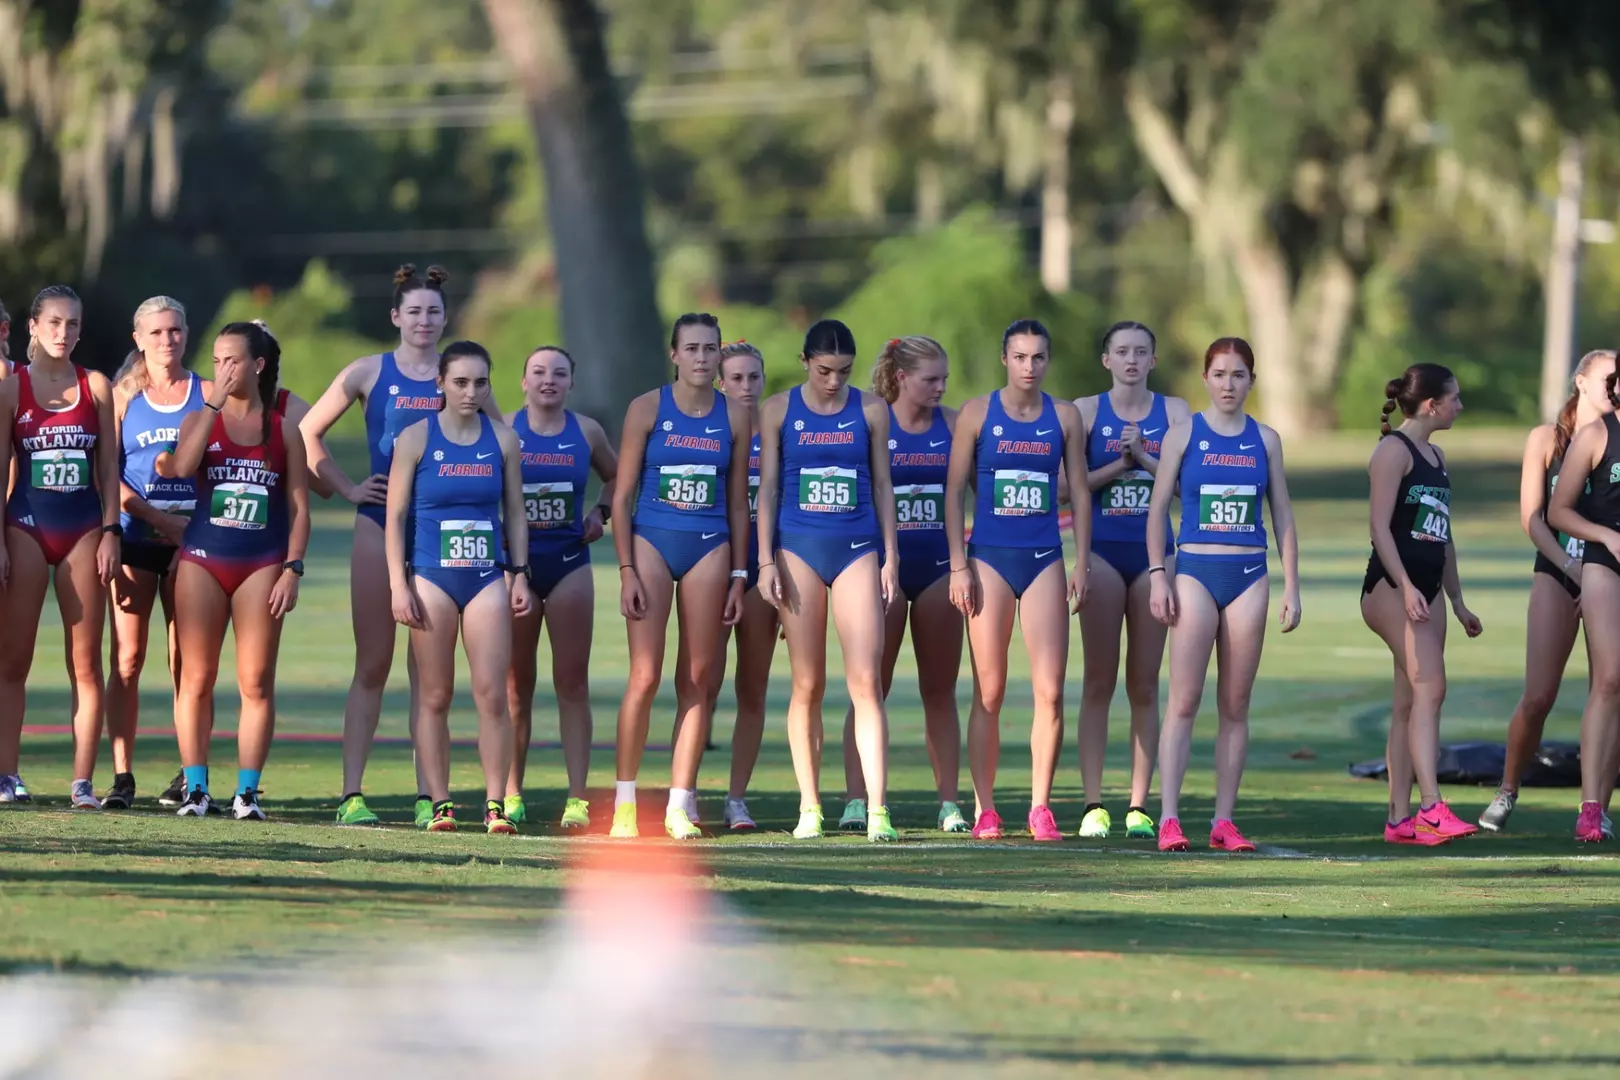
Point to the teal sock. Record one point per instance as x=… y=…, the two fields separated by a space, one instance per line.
x=247 y=780
x=196 y=777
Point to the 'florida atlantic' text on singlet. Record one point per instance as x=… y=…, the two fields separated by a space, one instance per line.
x=147 y=430
x=556 y=469
x=1017 y=465
x=1223 y=486
x=457 y=500
x=827 y=470
x=684 y=471
x=1119 y=510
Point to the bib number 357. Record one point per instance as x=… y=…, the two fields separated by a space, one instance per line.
x=1231 y=509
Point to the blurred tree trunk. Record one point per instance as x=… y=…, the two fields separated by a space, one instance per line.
x=610 y=318
x=1057 y=232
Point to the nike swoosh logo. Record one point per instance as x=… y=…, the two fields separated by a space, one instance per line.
x=712 y=430
x=854 y=546
x=1150 y=431
x=942 y=442
x=571 y=558
x=845 y=424
x=564 y=445
x=1252 y=569
x=486 y=573
x=942 y=562
x=1048 y=431
x=481 y=457
x=1245 y=446
x=1044 y=554
x=710 y=536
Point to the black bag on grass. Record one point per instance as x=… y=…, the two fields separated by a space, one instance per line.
x=1554 y=764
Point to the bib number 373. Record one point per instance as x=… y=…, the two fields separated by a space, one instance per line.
x=466 y=544
x=60 y=470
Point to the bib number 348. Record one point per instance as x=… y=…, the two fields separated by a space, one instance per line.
x=1017 y=493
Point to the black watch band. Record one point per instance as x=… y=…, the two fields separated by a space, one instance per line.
x=295 y=565
x=115 y=529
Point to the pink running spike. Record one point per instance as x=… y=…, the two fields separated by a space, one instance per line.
x=1224 y=836
x=1042 y=826
x=987 y=826
x=1440 y=821
x=1171 y=838
x=1405 y=832
x=1589 y=826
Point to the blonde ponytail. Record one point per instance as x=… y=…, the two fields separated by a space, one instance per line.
x=902 y=354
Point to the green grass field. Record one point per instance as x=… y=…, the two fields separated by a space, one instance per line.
x=1328 y=952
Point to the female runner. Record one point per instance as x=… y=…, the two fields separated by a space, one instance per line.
x=559 y=449
x=910 y=375
x=1593 y=462
x=826 y=514
x=1413 y=559
x=395 y=390
x=1012 y=444
x=1555 y=584
x=455 y=507
x=688 y=444
x=1225 y=465
x=152 y=394
x=56 y=422
x=241 y=557
x=1125 y=429
x=742 y=378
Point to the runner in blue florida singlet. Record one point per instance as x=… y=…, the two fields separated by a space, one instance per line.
x=917 y=466
x=395 y=403
x=457 y=539
x=1119 y=510
x=681 y=503
x=1015 y=514
x=147 y=430
x=826 y=516
x=556 y=469
x=1223 y=493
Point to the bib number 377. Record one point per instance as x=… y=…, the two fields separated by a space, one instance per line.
x=240 y=506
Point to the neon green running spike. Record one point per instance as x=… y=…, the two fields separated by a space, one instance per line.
x=678 y=824
x=854 y=816
x=424 y=812
x=1096 y=825
x=576 y=814
x=809 y=826
x=354 y=811
x=1139 y=826
x=951 y=819
x=516 y=812
x=624 y=822
x=879 y=829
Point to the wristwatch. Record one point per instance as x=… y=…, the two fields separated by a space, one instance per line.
x=295 y=565
x=115 y=529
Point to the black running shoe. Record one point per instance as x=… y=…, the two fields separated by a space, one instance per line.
x=175 y=793
x=121 y=796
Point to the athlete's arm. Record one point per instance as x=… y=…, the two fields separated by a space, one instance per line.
x=297 y=409
x=1074 y=460
x=514 y=518
x=737 y=486
x=352 y=384
x=297 y=489
x=877 y=423
x=408 y=449
x=8 y=413
x=1586 y=449
x=605 y=463
x=1165 y=481
x=638 y=422
x=1282 y=523
x=187 y=455
x=964 y=451
x=771 y=413
x=1107 y=474
x=1533 y=495
x=107 y=473
x=1389 y=465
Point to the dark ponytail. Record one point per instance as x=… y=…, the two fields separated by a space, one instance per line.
x=1419 y=383
x=262 y=345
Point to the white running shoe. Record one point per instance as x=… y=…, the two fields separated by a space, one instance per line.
x=197 y=804
x=12 y=789
x=737 y=818
x=84 y=796
x=245 y=807
x=1495 y=817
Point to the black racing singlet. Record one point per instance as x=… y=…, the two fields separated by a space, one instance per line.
x=1601 y=503
x=1573 y=548
x=1420 y=525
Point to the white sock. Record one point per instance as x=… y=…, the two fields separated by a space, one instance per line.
x=624 y=791
x=682 y=799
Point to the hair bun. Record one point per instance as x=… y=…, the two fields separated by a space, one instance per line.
x=437 y=275
x=1392 y=390
x=406 y=272
x=262 y=325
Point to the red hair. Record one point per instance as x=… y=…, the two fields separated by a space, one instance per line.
x=1222 y=346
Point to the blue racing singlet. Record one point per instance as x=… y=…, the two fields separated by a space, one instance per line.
x=1016 y=502
x=917 y=467
x=456 y=502
x=394 y=404
x=826 y=470
x=1119 y=510
x=556 y=469
x=148 y=429
x=683 y=475
x=1223 y=486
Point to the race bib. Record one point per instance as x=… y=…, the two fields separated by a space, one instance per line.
x=1233 y=509
x=1016 y=493
x=827 y=491
x=753 y=497
x=240 y=506
x=466 y=544
x=548 y=505
x=1129 y=495
x=182 y=507
x=60 y=470
x=919 y=506
x=1432 y=522
x=687 y=487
